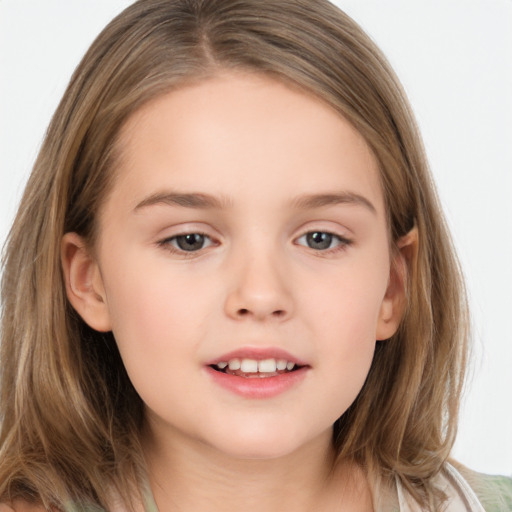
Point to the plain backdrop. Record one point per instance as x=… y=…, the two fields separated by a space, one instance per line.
x=454 y=58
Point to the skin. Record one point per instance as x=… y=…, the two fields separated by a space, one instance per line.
x=255 y=145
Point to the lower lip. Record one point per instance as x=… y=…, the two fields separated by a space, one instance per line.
x=258 y=387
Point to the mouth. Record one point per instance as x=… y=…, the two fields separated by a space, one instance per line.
x=252 y=368
x=257 y=372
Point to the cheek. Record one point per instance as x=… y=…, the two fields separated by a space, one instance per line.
x=346 y=303
x=342 y=318
x=150 y=297
x=158 y=318
x=350 y=337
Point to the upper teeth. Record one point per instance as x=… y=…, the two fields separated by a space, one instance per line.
x=253 y=365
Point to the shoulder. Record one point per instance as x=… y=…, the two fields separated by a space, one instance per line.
x=493 y=491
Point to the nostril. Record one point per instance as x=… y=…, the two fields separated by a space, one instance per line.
x=243 y=312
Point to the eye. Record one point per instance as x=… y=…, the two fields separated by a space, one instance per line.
x=322 y=240
x=188 y=242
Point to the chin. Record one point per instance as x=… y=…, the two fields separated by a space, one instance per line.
x=263 y=444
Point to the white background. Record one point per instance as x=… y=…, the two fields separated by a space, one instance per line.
x=455 y=60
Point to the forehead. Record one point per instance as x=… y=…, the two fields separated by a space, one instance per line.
x=244 y=134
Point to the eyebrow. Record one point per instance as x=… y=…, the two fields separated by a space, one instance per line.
x=192 y=200
x=310 y=201
x=207 y=201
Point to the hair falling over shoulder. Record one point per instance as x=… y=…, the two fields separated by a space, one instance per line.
x=70 y=417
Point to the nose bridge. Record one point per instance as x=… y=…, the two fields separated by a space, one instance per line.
x=258 y=286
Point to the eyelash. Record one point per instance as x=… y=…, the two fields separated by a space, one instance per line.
x=341 y=245
x=169 y=243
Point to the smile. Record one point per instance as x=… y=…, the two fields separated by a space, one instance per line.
x=252 y=368
x=258 y=373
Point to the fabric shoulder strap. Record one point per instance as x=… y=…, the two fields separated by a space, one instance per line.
x=460 y=496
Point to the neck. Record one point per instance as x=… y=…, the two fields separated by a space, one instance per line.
x=187 y=475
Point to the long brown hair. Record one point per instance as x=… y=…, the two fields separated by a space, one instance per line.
x=70 y=416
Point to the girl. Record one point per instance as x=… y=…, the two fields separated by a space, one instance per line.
x=229 y=284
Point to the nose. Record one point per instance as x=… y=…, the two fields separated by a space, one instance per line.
x=259 y=289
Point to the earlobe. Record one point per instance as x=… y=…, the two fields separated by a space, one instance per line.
x=395 y=300
x=84 y=284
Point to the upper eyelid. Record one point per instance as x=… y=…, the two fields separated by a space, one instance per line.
x=341 y=232
x=186 y=229
x=213 y=238
x=328 y=225
x=345 y=240
x=167 y=245
x=333 y=233
x=315 y=225
x=185 y=233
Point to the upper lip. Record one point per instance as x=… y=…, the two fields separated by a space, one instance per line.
x=259 y=354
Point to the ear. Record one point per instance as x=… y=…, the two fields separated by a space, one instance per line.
x=395 y=300
x=84 y=284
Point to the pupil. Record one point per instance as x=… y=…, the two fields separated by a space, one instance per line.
x=190 y=242
x=319 y=240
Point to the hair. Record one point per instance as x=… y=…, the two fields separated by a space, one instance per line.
x=71 y=419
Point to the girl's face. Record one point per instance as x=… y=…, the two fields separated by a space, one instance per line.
x=246 y=227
